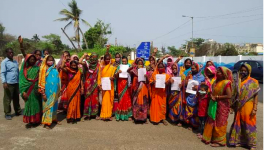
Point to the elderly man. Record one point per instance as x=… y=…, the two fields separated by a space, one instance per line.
x=10 y=77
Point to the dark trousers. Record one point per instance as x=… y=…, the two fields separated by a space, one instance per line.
x=202 y=124
x=11 y=93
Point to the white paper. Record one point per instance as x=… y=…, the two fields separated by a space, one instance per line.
x=175 y=84
x=141 y=74
x=124 y=73
x=160 y=81
x=106 y=83
x=190 y=85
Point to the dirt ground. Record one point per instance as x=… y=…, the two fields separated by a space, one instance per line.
x=104 y=135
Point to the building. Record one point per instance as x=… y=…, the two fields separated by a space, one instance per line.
x=250 y=47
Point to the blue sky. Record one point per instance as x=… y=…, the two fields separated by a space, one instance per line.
x=135 y=21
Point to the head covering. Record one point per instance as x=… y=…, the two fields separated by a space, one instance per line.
x=178 y=69
x=43 y=72
x=196 y=66
x=72 y=57
x=248 y=69
x=209 y=82
x=169 y=65
x=210 y=62
x=227 y=73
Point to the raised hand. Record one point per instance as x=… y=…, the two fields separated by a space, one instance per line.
x=20 y=39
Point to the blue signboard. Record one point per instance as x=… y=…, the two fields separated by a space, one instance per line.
x=143 y=50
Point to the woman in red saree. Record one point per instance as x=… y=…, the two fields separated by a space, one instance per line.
x=215 y=130
x=124 y=108
x=158 y=101
x=73 y=91
x=91 y=103
x=140 y=93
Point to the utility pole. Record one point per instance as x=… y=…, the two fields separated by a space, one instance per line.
x=192 y=26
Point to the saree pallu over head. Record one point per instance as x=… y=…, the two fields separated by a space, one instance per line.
x=215 y=131
x=169 y=65
x=158 y=100
x=107 y=96
x=51 y=87
x=210 y=82
x=244 y=130
x=73 y=92
x=247 y=88
x=28 y=78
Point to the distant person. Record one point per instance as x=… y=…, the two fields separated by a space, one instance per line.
x=243 y=130
x=10 y=77
x=45 y=52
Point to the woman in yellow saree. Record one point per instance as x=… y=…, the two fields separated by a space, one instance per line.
x=215 y=130
x=106 y=70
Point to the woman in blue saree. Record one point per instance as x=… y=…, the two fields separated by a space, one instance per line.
x=49 y=87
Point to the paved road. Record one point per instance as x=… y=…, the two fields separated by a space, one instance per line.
x=104 y=135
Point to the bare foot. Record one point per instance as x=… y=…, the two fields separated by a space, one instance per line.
x=189 y=128
x=97 y=118
x=179 y=125
x=165 y=122
x=198 y=134
x=129 y=119
x=47 y=127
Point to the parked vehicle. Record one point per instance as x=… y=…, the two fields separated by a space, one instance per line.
x=256 y=65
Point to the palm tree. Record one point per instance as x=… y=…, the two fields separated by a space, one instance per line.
x=35 y=38
x=74 y=17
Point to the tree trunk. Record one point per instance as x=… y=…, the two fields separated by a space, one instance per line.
x=78 y=38
x=84 y=39
x=69 y=39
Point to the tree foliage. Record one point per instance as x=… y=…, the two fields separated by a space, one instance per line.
x=96 y=36
x=227 y=50
x=175 y=52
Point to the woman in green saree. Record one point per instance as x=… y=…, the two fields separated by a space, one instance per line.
x=28 y=88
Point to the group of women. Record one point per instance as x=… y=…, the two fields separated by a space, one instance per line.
x=74 y=82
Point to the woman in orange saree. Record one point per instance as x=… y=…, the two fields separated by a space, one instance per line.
x=215 y=130
x=244 y=130
x=73 y=92
x=140 y=94
x=158 y=100
x=106 y=70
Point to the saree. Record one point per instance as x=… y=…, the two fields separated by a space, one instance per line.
x=191 y=101
x=158 y=101
x=28 y=83
x=209 y=82
x=73 y=92
x=124 y=108
x=215 y=130
x=91 y=104
x=175 y=103
x=49 y=82
x=107 y=96
x=243 y=130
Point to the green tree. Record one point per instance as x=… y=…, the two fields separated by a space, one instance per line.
x=175 y=52
x=97 y=34
x=4 y=38
x=227 y=50
x=56 y=41
x=73 y=15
